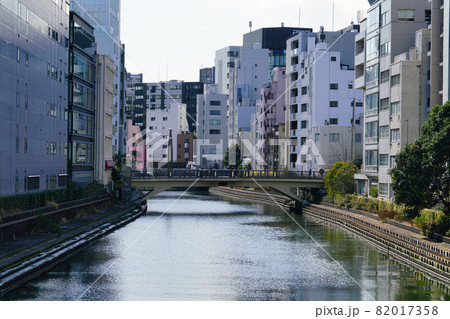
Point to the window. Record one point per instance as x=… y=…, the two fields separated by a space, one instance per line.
x=385 y=17
x=395 y=135
x=395 y=108
x=385 y=49
x=304 y=124
x=333 y=59
x=395 y=80
x=384 y=76
x=153 y=119
x=358 y=138
x=384 y=131
x=373 y=47
x=164 y=146
x=392 y=162
x=18 y=55
x=214 y=132
x=383 y=189
x=17 y=99
x=373 y=19
x=428 y=16
x=334 y=103
x=17 y=145
x=334 y=137
x=384 y=159
x=303 y=140
x=215 y=103
x=304 y=90
x=384 y=104
x=372 y=75
x=371 y=158
x=405 y=15
x=215 y=122
x=164 y=118
x=317 y=158
x=334 y=86
x=372 y=102
x=334 y=121
x=317 y=137
x=25 y=145
x=350 y=86
x=304 y=107
x=372 y=132
x=214 y=112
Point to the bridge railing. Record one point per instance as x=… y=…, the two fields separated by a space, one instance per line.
x=225 y=174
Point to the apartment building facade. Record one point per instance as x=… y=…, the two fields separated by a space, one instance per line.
x=397 y=69
x=34 y=60
x=324 y=110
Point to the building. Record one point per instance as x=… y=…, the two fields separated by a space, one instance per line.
x=208 y=75
x=212 y=137
x=166 y=117
x=270 y=119
x=189 y=92
x=273 y=39
x=400 y=74
x=104 y=16
x=224 y=64
x=324 y=113
x=104 y=109
x=136 y=148
x=249 y=75
x=185 y=148
x=81 y=138
x=33 y=95
x=132 y=80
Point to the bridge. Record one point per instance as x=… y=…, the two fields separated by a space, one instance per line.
x=289 y=183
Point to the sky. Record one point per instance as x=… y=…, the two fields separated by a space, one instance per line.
x=173 y=39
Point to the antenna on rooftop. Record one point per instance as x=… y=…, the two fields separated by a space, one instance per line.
x=250 y=25
x=332 y=28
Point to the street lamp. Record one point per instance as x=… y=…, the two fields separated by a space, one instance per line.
x=170 y=153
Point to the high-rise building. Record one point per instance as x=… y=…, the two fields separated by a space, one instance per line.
x=247 y=78
x=270 y=119
x=324 y=113
x=132 y=80
x=212 y=136
x=273 y=39
x=104 y=92
x=104 y=16
x=33 y=95
x=208 y=75
x=189 y=93
x=224 y=64
x=397 y=63
x=82 y=48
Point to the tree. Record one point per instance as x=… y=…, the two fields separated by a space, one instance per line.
x=421 y=177
x=232 y=157
x=339 y=179
x=116 y=174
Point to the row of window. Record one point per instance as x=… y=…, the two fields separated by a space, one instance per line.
x=374 y=104
x=32 y=182
x=373 y=131
x=373 y=159
x=52 y=148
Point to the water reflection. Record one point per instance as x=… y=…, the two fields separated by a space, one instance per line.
x=207 y=248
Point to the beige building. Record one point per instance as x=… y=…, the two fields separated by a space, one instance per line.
x=103 y=158
x=397 y=64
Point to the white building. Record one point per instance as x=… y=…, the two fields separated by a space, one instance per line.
x=249 y=76
x=322 y=101
x=400 y=74
x=165 y=115
x=224 y=64
x=212 y=137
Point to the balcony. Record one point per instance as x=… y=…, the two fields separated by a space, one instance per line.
x=293 y=133
x=360 y=58
x=371 y=140
x=293 y=116
x=294 y=68
x=359 y=82
x=294 y=52
x=372 y=112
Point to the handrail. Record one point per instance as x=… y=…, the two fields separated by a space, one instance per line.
x=225 y=174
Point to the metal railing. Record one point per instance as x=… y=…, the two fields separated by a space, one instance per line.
x=225 y=174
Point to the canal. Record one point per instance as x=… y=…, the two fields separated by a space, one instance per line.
x=210 y=248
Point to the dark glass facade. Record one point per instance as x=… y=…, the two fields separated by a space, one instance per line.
x=190 y=90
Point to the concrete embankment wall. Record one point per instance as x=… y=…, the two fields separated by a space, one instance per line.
x=402 y=241
x=28 y=265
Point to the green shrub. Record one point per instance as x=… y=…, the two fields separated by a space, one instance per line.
x=373 y=204
x=359 y=202
x=47 y=225
x=328 y=199
x=373 y=191
x=433 y=221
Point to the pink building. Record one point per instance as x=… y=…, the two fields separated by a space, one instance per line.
x=136 y=149
x=270 y=116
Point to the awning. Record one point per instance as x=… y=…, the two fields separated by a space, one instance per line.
x=109 y=164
